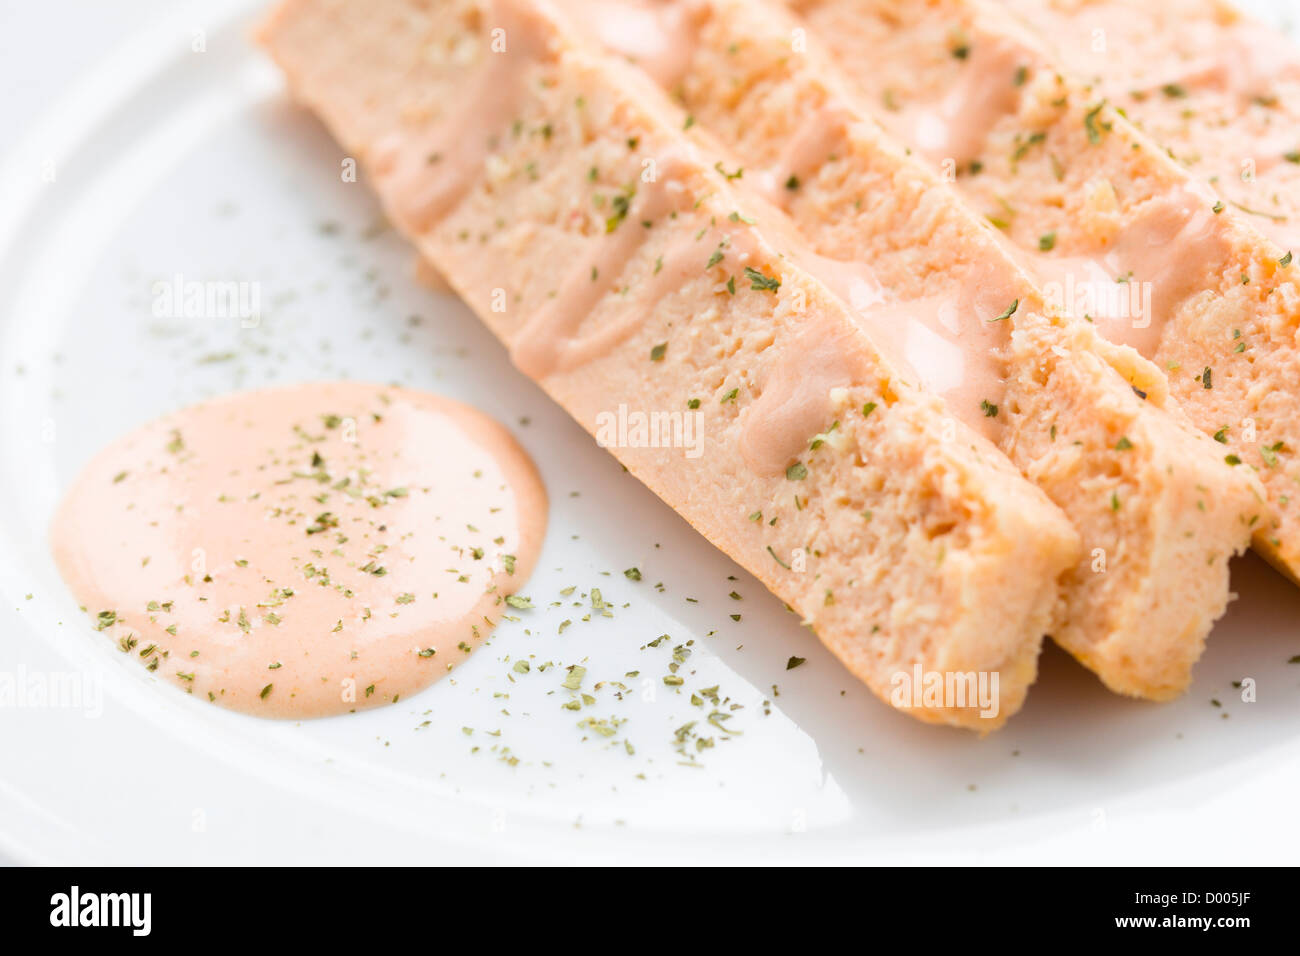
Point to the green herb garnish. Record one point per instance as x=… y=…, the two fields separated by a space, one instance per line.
x=1011 y=310
x=760 y=282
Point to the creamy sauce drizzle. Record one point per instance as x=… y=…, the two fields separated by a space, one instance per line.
x=949 y=345
x=304 y=551
x=807 y=151
x=658 y=37
x=982 y=94
x=795 y=402
x=1173 y=248
x=550 y=340
x=423 y=176
x=951 y=350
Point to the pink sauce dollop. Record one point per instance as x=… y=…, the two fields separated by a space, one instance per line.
x=304 y=551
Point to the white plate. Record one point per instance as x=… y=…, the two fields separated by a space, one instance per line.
x=170 y=161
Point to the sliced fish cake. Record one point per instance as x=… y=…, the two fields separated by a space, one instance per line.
x=555 y=190
x=1159 y=510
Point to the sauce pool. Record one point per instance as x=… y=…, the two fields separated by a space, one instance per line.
x=304 y=551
